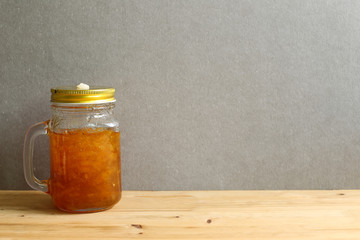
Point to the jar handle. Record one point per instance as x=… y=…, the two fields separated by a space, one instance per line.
x=28 y=152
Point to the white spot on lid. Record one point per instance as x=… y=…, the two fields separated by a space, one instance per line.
x=82 y=86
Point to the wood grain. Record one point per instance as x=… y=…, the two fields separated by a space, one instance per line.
x=189 y=215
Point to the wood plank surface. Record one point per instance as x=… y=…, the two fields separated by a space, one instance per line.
x=189 y=215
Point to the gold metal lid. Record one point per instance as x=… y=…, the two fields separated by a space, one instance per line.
x=93 y=95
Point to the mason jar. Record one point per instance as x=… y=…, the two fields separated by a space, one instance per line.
x=85 y=170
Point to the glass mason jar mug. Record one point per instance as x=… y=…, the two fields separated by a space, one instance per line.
x=85 y=172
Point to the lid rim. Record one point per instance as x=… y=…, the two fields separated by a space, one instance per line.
x=81 y=103
x=94 y=95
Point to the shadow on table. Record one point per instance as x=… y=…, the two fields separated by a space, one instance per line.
x=28 y=202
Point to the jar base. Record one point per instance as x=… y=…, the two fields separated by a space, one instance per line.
x=87 y=210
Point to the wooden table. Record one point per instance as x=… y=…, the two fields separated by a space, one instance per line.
x=189 y=215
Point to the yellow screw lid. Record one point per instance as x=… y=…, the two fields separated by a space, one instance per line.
x=83 y=95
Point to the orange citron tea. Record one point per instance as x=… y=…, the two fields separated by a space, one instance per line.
x=85 y=169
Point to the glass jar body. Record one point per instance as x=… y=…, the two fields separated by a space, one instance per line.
x=85 y=168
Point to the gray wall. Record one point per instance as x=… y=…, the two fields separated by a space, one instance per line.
x=211 y=94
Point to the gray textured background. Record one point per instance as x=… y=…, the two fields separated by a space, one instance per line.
x=211 y=94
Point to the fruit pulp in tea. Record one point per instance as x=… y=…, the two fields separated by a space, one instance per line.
x=85 y=169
